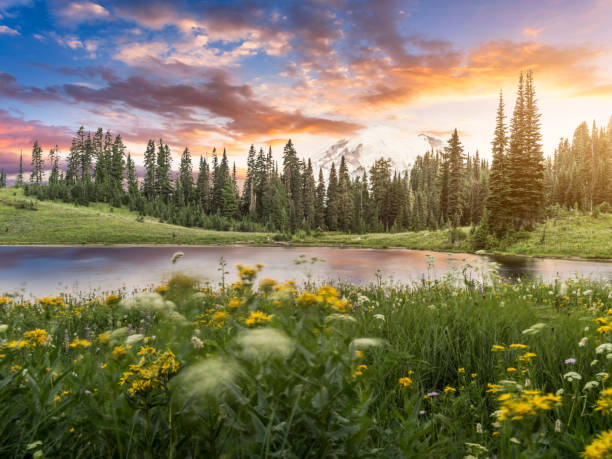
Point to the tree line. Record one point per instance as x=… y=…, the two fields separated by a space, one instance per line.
x=444 y=188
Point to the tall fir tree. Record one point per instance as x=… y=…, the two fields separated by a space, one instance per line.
x=498 y=191
x=148 y=182
x=36 y=176
x=455 y=158
x=19 y=180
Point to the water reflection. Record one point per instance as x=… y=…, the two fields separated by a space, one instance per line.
x=50 y=270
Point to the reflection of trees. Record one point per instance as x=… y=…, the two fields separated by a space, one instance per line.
x=514 y=267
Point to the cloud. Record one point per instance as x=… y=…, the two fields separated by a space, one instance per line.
x=17 y=133
x=232 y=108
x=5 y=30
x=10 y=88
x=531 y=32
x=82 y=11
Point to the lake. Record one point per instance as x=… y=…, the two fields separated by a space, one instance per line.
x=38 y=271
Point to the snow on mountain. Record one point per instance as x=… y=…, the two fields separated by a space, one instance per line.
x=360 y=152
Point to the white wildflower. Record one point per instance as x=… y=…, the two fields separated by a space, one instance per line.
x=364 y=343
x=590 y=385
x=605 y=347
x=3 y=328
x=197 y=342
x=135 y=338
x=147 y=301
x=340 y=318
x=380 y=317
x=534 y=329
x=583 y=342
x=263 y=343
x=572 y=376
x=207 y=377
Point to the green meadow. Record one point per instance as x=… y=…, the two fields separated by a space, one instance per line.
x=262 y=369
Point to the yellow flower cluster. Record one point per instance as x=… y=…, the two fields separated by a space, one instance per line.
x=359 y=371
x=605 y=322
x=5 y=300
x=214 y=318
x=604 y=404
x=112 y=300
x=80 y=343
x=326 y=297
x=152 y=370
x=31 y=339
x=161 y=289
x=600 y=448
x=257 y=317
x=119 y=352
x=527 y=404
x=51 y=301
x=405 y=381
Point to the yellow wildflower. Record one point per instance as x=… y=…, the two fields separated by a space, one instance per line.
x=80 y=343
x=257 y=317
x=604 y=404
x=599 y=448
x=518 y=346
x=405 y=381
x=448 y=389
x=497 y=347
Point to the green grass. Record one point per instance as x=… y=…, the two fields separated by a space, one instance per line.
x=60 y=223
x=292 y=384
x=569 y=235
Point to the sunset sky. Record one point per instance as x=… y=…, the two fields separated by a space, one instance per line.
x=228 y=74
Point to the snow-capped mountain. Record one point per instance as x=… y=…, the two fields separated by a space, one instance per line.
x=361 y=152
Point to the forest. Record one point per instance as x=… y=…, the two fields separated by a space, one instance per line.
x=448 y=188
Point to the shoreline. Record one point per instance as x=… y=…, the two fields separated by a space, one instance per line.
x=309 y=245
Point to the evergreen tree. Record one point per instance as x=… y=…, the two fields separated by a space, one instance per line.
x=37 y=164
x=331 y=216
x=455 y=158
x=309 y=195
x=497 y=209
x=534 y=197
x=203 y=185
x=185 y=178
x=163 y=182
x=319 y=220
x=2 y=178
x=148 y=183
x=19 y=180
x=132 y=181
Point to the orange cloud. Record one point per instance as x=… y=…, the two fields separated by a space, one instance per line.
x=531 y=32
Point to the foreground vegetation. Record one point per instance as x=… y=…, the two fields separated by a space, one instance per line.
x=438 y=369
x=29 y=221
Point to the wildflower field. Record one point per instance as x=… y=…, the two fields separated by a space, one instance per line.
x=262 y=369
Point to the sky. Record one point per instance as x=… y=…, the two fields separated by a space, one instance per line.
x=228 y=74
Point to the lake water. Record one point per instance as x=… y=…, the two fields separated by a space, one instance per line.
x=37 y=271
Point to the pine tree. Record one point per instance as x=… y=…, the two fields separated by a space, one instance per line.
x=345 y=204
x=54 y=162
x=309 y=195
x=132 y=181
x=19 y=181
x=498 y=193
x=2 y=178
x=534 y=192
x=185 y=178
x=455 y=158
x=148 y=183
x=331 y=214
x=203 y=185
x=162 y=172
x=319 y=220
x=37 y=164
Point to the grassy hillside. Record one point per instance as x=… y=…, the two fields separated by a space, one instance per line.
x=569 y=235
x=59 y=223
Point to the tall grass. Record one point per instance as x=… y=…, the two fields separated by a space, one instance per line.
x=261 y=369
